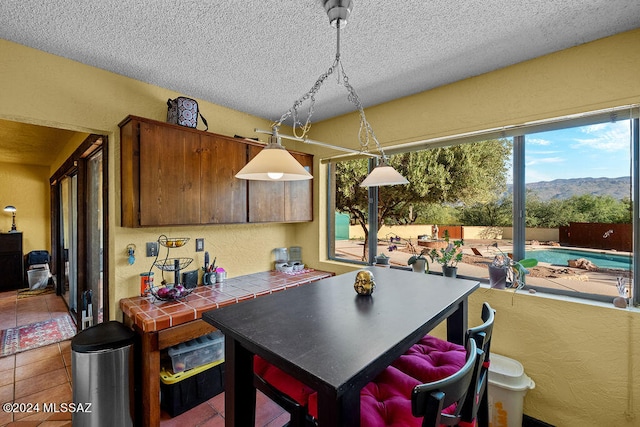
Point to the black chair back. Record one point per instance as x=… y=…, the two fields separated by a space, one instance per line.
x=476 y=404
x=429 y=400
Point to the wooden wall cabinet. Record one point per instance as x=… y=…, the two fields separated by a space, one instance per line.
x=284 y=201
x=172 y=175
x=11 y=261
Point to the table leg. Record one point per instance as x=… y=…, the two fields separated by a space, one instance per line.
x=344 y=411
x=483 y=410
x=150 y=366
x=240 y=393
x=457 y=323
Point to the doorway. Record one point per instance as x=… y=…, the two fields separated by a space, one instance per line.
x=79 y=230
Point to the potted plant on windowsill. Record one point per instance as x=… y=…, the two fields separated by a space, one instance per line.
x=449 y=256
x=505 y=272
x=417 y=260
x=382 y=259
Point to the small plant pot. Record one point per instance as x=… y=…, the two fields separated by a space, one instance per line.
x=448 y=271
x=419 y=266
x=620 y=302
x=382 y=260
x=498 y=277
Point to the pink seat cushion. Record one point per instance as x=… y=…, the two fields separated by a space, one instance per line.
x=385 y=401
x=282 y=381
x=431 y=359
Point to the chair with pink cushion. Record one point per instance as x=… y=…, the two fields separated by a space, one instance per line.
x=283 y=389
x=477 y=406
x=431 y=359
x=395 y=399
x=428 y=361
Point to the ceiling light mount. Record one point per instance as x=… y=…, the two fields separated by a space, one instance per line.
x=338 y=11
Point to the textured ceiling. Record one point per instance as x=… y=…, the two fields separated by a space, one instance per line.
x=260 y=56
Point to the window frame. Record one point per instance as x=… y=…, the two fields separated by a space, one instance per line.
x=519 y=134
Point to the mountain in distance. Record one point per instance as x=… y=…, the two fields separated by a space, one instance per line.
x=618 y=188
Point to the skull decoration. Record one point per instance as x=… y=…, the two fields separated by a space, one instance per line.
x=364 y=284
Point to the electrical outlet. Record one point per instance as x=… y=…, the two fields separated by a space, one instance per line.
x=152 y=249
x=199 y=245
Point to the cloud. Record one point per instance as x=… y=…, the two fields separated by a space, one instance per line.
x=545 y=160
x=544 y=153
x=594 y=128
x=605 y=136
x=538 y=141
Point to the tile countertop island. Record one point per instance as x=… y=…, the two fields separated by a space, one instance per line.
x=164 y=324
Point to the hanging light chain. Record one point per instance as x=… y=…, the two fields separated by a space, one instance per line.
x=365 y=133
x=310 y=95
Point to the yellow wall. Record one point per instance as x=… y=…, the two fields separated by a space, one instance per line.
x=27 y=188
x=580 y=355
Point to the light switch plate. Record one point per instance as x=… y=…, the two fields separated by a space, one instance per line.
x=152 y=249
x=199 y=245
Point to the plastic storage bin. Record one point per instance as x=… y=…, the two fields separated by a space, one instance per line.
x=197 y=352
x=185 y=390
x=38 y=277
x=508 y=384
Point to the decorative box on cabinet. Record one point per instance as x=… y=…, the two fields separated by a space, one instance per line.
x=172 y=175
x=11 y=261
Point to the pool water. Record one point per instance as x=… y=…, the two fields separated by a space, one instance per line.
x=561 y=256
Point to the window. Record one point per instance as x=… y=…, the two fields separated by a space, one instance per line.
x=348 y=211
x=572 y=179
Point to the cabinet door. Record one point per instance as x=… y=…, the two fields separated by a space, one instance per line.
x=266 y=198
x=298 y=195
x=11 y=261
x=169 y=176
x=223 y=197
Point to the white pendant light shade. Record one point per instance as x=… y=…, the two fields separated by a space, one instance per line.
x=383 y=175
x=274 y=163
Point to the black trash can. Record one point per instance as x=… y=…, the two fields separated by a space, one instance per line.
x=102 y=358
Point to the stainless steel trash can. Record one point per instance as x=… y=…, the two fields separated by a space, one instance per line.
x=102 y=358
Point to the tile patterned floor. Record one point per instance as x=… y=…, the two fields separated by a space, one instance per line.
x=39 y=375
x=44 y=375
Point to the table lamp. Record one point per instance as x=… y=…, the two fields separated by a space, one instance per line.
x=12 y=209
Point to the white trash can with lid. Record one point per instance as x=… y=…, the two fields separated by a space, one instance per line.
x=508 y=385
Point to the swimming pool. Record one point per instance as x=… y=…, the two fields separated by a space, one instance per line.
x=561 y=256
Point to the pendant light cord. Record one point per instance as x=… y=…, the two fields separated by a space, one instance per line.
x=300 y=129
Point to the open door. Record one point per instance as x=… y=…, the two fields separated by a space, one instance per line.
x=79 y=230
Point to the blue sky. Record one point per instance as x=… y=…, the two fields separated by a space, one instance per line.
x=600 y=150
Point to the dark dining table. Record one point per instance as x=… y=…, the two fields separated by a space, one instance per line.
x=332 y=339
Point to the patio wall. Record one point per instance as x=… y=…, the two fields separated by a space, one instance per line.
x=539 y=234
x=598 y=236
x=475 y=233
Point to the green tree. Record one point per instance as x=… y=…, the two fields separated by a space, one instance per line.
x=465 y=173
x=550 y=214
x=495 y=213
